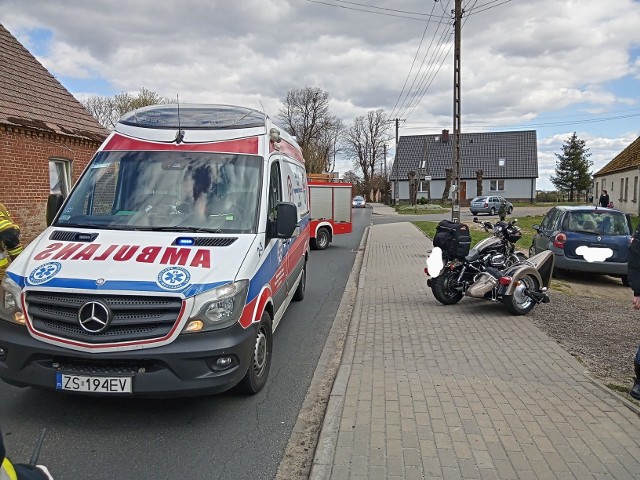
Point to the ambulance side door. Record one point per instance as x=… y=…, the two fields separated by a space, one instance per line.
x=275 y=247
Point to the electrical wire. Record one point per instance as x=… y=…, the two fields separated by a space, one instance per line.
x=369 y=11
x=489 y=8
x=412 y=64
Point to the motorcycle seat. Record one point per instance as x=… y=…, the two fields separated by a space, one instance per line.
x=473 y=257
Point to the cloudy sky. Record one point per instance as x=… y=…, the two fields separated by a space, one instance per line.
x=556 y=66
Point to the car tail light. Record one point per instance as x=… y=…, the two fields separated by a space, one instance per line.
x=486 y=204
x=559 y=240
x=505 y=281
x=426 y=270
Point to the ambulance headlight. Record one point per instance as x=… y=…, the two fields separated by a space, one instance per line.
x=218 y=308
x=10 y=308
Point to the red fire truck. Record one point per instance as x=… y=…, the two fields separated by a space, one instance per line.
x=330 y=204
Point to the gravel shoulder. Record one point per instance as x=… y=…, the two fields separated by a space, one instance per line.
x=591 y=317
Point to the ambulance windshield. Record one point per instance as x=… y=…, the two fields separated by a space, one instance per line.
x=181 y=191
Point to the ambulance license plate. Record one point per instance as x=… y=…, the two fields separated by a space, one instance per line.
x=82 y=383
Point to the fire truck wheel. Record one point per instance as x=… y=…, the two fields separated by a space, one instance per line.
x=260 y=361
x=299 y=293
x=322 y=239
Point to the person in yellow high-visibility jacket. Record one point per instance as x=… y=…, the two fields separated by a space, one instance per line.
x=10 y=246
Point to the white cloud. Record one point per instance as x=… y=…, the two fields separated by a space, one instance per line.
x=521 y=61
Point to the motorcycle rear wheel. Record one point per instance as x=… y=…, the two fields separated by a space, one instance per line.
x=442 y=290
x=519 y=303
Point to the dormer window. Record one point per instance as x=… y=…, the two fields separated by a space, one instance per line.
x=502 y=162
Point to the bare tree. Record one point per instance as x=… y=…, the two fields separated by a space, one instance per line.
x=447 y=184
x=305 y=115
x=364 y=142
x=108 y=110
x=479 y=175
x=351 y=177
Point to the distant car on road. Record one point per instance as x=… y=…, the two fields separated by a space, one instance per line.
x=358 y=202
x=586 y=239
x=489 y=204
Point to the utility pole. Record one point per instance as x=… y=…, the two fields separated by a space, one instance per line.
x=455 y=207
x=396 y=187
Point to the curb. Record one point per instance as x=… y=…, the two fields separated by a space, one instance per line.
x=308 y=440
x=627 y=403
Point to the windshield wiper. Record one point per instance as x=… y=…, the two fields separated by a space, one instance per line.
x=79 y=225
x=178 y=229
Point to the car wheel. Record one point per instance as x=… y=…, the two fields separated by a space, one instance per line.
x=260 y=359
x=473 y=213
x=299 y=293
x=625 y=280
x=509 y=210
x=492 y=211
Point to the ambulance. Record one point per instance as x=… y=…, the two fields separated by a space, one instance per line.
x=169 y=266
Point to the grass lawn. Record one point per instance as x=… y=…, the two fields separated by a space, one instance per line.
x=478 y=233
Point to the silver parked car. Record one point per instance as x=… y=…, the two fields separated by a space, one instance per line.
x=488 y=204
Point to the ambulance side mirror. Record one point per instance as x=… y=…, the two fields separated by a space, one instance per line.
x=54 y=203
x=287 y=220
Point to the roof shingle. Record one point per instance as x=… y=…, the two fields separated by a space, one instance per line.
x=31 y=97
x=478 y=150
x=626 y=159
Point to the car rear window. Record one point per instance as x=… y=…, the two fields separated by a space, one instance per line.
x=607 y=223
x=480 y=199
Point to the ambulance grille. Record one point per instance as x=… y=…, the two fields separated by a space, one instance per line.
x=132 y=317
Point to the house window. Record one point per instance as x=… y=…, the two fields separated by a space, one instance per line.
x=422 y=186
x=501 y=162
x=59 y=176
x=626 y=189
x=635 y=189
x=423 y=164
x=496 y=185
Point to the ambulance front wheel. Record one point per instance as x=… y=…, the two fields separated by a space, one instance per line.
x=260 y=361
x=322 y=239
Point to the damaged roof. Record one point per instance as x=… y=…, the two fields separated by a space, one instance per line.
x=31 y=97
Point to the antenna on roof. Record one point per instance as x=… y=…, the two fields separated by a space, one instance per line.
x=180 y=134
x=263 y=111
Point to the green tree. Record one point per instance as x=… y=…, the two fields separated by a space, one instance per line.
x=572 y=167
x=108 y=110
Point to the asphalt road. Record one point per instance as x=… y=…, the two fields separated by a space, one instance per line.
x=228 y=436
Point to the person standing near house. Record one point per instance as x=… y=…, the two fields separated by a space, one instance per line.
x=633 y=274
x=10 y=246
x=604 y=199
x=502 y=210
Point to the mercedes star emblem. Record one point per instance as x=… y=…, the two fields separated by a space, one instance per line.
x=94 y=317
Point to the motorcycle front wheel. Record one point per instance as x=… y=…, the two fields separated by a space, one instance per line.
x=520 y=303
x=442 y=288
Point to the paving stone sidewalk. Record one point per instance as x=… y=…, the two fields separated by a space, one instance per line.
x=467 y=391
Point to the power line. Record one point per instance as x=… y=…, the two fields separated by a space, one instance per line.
x=489 y=8
x=412 y=63
x=534 y=125
x=369 y=11
x=411 y=92
x=389 y=9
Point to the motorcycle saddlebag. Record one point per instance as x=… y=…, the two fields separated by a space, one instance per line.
x=453 y=238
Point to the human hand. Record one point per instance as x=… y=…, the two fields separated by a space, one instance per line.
x=636 y=302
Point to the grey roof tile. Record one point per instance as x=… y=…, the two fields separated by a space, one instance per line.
x=477 y=150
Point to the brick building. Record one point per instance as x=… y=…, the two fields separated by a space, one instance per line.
x=46 y=136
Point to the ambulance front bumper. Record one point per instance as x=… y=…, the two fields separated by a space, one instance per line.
x=194 y=364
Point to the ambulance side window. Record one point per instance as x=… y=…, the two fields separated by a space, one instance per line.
x=275 y=196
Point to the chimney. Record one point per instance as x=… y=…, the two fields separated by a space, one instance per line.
x=445 y=136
